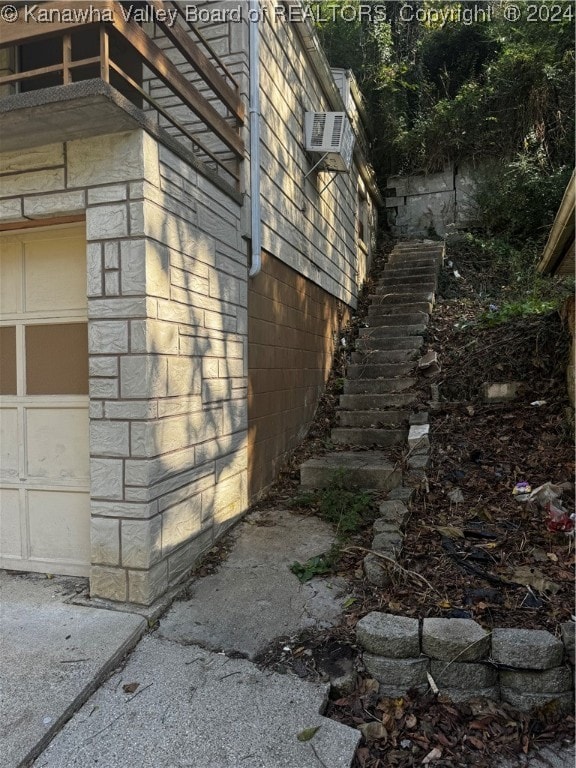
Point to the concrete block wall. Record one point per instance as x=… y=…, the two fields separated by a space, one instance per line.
x=425 y=205
x=167 y=325
x=526 y=668
x=293 y=330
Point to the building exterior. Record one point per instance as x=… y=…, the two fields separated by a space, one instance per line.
x=558 y=259
x=172 y=282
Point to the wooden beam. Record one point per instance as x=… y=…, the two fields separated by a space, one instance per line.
x=104 y=54
x=164 y=112
x=34 y=24
x=201 y=63
x=28 y=73
x=155 y=60
x=66 y=58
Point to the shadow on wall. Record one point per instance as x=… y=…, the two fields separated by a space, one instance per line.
x=185 y=381
x=293 y=327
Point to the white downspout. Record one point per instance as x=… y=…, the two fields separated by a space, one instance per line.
x=254 y=110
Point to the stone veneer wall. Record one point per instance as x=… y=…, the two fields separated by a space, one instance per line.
x=167 y=325
x=293 y=326
x=525 y=667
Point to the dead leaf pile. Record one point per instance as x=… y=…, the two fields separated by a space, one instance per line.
x=425 y=730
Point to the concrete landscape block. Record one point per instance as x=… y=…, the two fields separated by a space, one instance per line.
x=428 y=363
x=398 y=494
x=555 y=680
x=381 y=525
x=388 y=543
x=397 y=691
x=396 y=637
x=404 y=673
x=454 y=639
x=567 y=630
x=421 y=417
x=460 y=675
x=418 y=462
x=418 y=438
x=377 y=570
x=461 y=695
x=500 y=392
x=526 y=648
x=395 y=511
x=525 y=702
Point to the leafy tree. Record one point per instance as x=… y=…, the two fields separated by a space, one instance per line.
x=483 y=89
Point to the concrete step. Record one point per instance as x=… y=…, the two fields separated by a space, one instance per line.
x=393 y=270
x=401 y=297
x=363 y=469
x=384 y=356
x=379 y=370
x=402 y=287
x=424 y=282
x=398 y=318
x=368 y=436
x=388 y=343
x=365 y=402
x=380 y=332
x=376 y=386
x=437 y=248
x=395 y=309
x=415 y=260
x=374 y=418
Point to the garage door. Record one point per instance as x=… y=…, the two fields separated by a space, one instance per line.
x=44 y=448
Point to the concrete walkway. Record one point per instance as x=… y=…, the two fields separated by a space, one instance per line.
x=182 y=698
x=53 y=656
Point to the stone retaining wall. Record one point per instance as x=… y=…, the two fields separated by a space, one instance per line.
x=524 y=667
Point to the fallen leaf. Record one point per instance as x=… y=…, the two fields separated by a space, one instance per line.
x=369 y=685
x=434 y=754
x=535 y=578
x=456 y=495
x=308 y=733
x=552 y=556
x=411 y=721
x=130 y=687
x=444 y=604
x=451 y=531
x=373 y=730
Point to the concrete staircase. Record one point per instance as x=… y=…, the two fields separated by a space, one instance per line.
x=375 y=410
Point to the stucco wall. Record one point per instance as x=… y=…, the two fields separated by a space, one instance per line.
x=167 y=329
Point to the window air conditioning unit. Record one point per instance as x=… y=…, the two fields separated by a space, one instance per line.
x=330 y=134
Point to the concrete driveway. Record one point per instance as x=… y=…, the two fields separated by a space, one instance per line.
x=54 y=655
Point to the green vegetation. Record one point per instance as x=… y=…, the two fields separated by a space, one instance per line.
x=458 y=81
x=455 y=82
x=348 y=508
